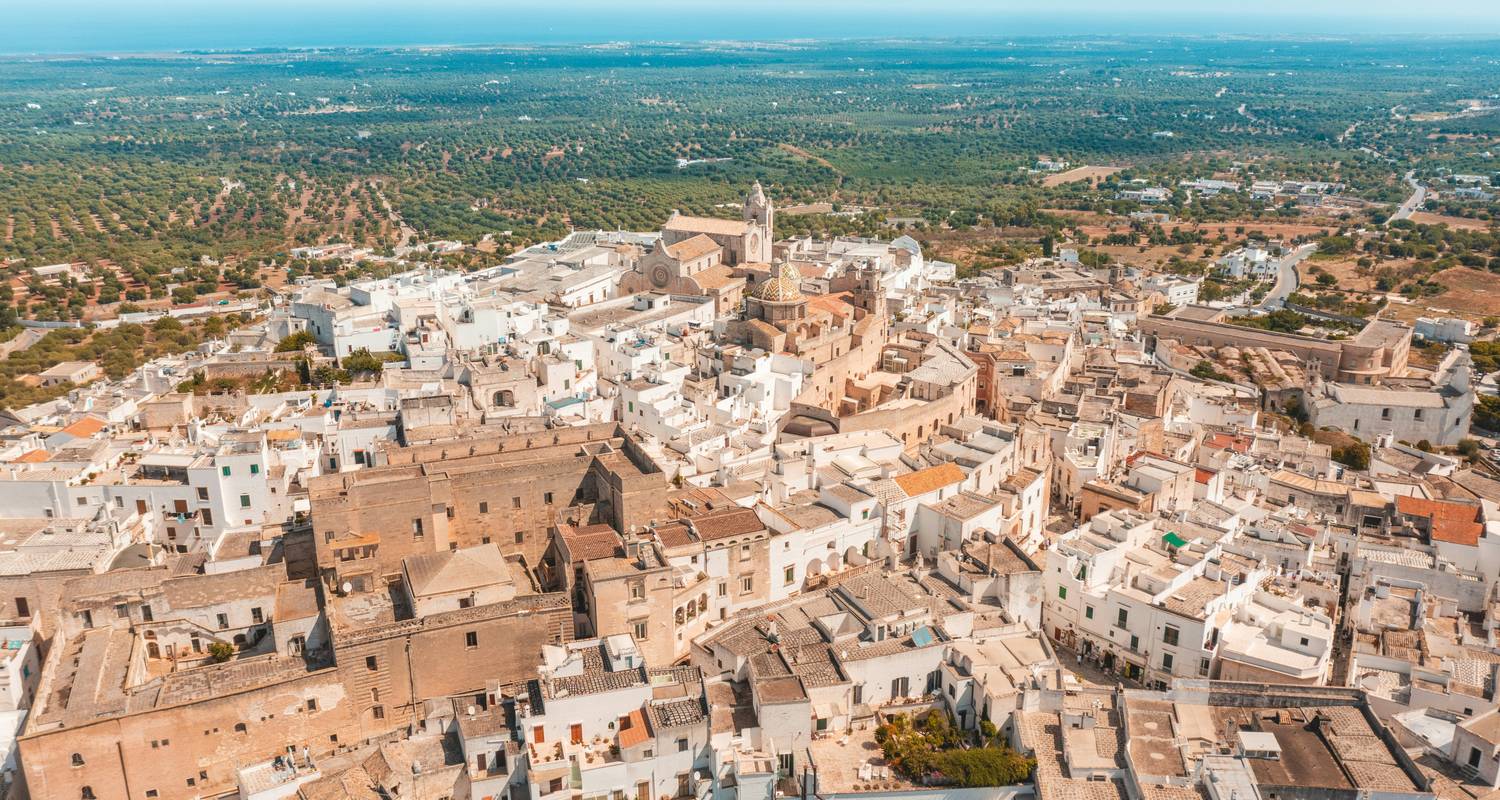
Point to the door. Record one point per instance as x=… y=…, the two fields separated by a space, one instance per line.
x=575 y=733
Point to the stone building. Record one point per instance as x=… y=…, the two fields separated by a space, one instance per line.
x=511 y=491
x=747 y=240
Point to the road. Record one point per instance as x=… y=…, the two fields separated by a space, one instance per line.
x=1286 y=277
x=1418 y=197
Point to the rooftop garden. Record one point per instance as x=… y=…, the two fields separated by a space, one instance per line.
x=928 y=749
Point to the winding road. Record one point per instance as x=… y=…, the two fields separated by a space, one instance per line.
x=1286 y=277
x=1413 y=203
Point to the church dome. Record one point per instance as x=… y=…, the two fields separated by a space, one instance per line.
x=786 y=287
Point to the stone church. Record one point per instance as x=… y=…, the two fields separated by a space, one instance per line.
x=698 y=255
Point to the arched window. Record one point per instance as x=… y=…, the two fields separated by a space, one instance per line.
x=505 y=398
x=239 y=727
x=88 y=793
x=77 y=759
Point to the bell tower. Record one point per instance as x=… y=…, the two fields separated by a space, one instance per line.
x=760 y=217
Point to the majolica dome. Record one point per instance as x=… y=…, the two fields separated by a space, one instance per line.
x=786 y=287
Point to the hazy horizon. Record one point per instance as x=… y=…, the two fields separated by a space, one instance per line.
x=97 y=26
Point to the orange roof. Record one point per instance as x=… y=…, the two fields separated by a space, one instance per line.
x=84 y=428
x=836 y=303
x=633 y=729
x=929 y=480
x=692 y=248
x=1457 y=523
x=1225 y=441
x=1203 y=475
x=33 y=457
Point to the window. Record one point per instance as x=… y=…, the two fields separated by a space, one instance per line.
x=254 y=469
x=637 y=590
x=1135 y=642
x=515 y=502
x=1169 y=635
x=327 y=536
x=484 y=508
x=312 y=704
x=244 y=501
x=1304 y=641
x=1166 y=661
x=223 y=621
x=682 y=745
x=371 y=663
x=87 y=793
x=1417 y=414
x=1088 y=612
x=77 y=759
x=791 y=574
x=1062 y=592
x=257 y=616
x=744 y=552
x=226 y=470
x=202 y=493
x=520 y=537
x=375 y=694
x=378 y=712
x=416 y=529
x=747 y=585
x=153 y=793
x=1385 y=413
x=547 y=498
x=640 y=630
x=1203 y=666
x=471 y=639
x=122 y=611
x=1122 y=619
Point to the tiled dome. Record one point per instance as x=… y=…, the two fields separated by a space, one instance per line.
x=786 y=287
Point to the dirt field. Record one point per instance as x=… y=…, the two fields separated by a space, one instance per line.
x=1347 y=271
x=1456 y=223
x=1471 y=294
x=1084 y=173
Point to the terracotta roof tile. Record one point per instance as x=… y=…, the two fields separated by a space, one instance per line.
x=1456 y=523
x=692 y=248
x=84 y=428
x=929 y=480
x=633 y=730
x=729 y=522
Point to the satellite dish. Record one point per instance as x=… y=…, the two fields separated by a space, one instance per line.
x=346 y=587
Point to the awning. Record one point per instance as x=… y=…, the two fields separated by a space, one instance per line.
x=1174 y=540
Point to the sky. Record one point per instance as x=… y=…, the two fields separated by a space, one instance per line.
x=51 y=26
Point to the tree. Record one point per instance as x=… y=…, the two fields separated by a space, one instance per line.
x=295 y=342
x=1469 y=448
x=220 y=651
x=362 y=361
x=1355 y=455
